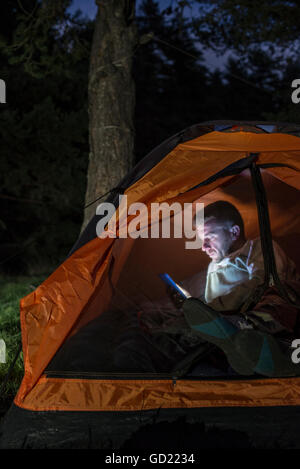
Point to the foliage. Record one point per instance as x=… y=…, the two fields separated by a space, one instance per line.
x=245 y=24
x=264 y=39
x=175 y=89
x=43 y=130
x=167 y=81
x=11 y=291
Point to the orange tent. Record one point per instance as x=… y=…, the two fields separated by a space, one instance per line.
x=204 y=163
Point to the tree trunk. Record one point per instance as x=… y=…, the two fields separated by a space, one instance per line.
x=111 y=96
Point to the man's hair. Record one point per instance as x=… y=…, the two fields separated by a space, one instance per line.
x=225 y=212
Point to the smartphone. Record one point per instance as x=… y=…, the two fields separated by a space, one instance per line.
x=170 y=282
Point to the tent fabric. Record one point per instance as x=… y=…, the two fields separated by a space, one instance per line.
x=121 y=395
x=65 y=300
x=242 y=141
x=158 y=153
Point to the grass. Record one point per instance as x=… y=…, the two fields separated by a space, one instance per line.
x=12 y=289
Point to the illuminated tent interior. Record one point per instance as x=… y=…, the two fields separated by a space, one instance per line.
x=139 y=292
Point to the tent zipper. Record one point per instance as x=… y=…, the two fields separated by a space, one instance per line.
x=105 y=375
x=145 y=376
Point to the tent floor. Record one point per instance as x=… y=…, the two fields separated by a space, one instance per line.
x=112 y=343
x=177 y=429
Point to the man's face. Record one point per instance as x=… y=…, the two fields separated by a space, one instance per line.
x=218 y=238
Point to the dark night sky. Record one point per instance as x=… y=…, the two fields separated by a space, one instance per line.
x=89 y=8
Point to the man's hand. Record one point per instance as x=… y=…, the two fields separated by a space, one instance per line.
x=176 y=298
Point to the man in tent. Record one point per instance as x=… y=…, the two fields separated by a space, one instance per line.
x=237 y=267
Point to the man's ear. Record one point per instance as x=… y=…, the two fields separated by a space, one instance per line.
x=235 y=232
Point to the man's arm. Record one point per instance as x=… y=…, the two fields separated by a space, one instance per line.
x=229 y=302
x=233 y=300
